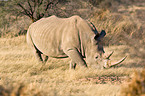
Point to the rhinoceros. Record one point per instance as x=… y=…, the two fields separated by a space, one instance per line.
x=71 y=37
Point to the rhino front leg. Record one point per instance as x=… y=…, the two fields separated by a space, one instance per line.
x=76 y=58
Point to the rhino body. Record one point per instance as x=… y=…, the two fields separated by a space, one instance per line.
x=71 y=37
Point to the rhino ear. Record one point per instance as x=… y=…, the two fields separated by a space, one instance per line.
x=101 y=35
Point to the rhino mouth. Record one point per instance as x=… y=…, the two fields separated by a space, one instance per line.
x=109 y=64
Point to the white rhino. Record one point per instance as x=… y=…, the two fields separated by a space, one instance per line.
x=68 y=37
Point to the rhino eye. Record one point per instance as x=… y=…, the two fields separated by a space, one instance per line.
x=96 y=43
x=96 y=57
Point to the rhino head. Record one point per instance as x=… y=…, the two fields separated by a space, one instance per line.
x=100 y=57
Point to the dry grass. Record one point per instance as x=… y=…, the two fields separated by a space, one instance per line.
x=134 y=86
x=22 y=75
x=18 y=65
x=19 y=90
x=118 y=26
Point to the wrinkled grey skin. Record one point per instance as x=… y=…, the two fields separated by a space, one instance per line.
x=66 y=37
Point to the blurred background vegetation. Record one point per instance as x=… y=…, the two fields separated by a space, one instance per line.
x=123 y=20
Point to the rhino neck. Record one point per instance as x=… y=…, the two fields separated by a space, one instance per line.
x=87 y=48
x=85 y=37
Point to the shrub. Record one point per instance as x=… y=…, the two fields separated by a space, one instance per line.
x=117 y=26
x=19 y=90
x=135 y=86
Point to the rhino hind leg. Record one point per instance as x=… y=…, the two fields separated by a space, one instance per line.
x=44 y=57
x=76 y=58
x=40 y=56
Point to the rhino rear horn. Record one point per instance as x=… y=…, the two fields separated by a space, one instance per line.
x=115 y=64
x=109 y=55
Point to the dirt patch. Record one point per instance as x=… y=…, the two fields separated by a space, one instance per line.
x=105 y=80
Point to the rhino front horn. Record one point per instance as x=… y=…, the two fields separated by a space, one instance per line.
x=114 y=64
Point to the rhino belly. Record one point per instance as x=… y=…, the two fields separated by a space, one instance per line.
x=49 y=48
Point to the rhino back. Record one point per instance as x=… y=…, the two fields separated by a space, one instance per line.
x=53 y=35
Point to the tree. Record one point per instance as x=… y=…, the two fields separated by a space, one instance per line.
x=36 y=9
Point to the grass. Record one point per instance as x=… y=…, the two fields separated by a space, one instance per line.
x=20 y=73
x=135 y=86
x=18 y=66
